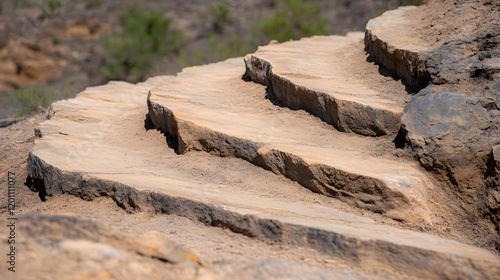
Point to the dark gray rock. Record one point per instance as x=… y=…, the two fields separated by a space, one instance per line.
x=473 y=59
x=452 y=134
x=457 y=137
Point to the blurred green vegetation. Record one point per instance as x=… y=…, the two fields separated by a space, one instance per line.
x=416 y=2
x=234 y=48
x=132 y=52
x=293 y=19
x=50 y=8
x=219 y=12
x=93 y=3
x=389 y=5
x=34 y=100
x=198 y=58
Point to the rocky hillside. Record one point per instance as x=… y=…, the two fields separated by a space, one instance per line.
x=309 y=158
x=60 y=44
x=452 y=125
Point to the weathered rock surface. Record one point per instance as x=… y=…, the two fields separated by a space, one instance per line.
x=453 y=124
x=389 y=42
x=74 y=248
x=278 y=269
x=453 y=135
x=312 y=74
x=211 y=108
x=439 y=44
x=102 y=144
x=440 y=124
x=469 y=65
x=90 y=147
x=65 y=247
x=491 y=204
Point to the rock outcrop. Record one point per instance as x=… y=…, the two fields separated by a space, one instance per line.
x=75 y=248
x=312 y=74
x=386 y=40
x=453 y=124
x=439 y=125
x=93 y=146
x=211 y=108
x=218 y=135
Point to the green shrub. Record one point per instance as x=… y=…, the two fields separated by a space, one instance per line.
x=390 y=5
x=145 y=34
x=234 y=48
x=199 y=57
x=292 y=20
x=379 y=12
x=194 y=58
x=416 y=2
x=32 y=99
x=93 y=3
x=272 y=3
x=50 y=9
x=219 y=11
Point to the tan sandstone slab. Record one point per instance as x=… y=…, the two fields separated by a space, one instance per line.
x=95 y=145
x=390 y=41
x=212 y=108
x=312 y=74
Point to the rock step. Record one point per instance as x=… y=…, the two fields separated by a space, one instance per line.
x=95 y=145
x=390 y=41
x=317 y=74
x=73 y=247
x=211 y=108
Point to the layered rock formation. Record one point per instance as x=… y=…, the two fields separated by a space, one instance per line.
x=211 y=108
x=453 y=124
x=322 y=118
x=92 y=146
x=312 y=74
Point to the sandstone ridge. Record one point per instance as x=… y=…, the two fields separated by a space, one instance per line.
x=306 y=143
